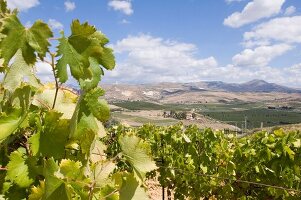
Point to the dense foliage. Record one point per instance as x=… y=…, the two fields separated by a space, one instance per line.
x=53 y=144
x=207 y=164
x=50 y=144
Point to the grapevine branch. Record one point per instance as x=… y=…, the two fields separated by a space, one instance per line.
x=107 y=196
x=3 y=169
x=56 y=81
x=235 y=180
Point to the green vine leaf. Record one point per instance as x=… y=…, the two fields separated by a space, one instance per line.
x=76 y=51
x=136 y=154
x=54 y=134
x=71 y=169
x=70 y=57
x=56 y=189
x=98 y=107
x=37 y=192
x=65 y=101
x=19 y=72
x=3 y=8
x=34 y=39
x=17 y=170
x=107 y=59
x=96 y=71
x=131 y=190
x=14 y=115
x=102 y=172
x=9 y=123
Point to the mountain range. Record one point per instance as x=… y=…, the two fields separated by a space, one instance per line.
x=197 y=92
x=251 y=86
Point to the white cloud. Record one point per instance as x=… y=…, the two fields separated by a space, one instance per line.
x=282 y=29
x=55 y=25
x=153 y=59
x=124 y=21
x=253 y=11
x=293 y=74
x=124 y=6
x=232 y=73
x=260 y=56
x=295 y=69
x=69 y=6
x=22 y=5
x=44 y=72
x=290 y=10
x=148 y=59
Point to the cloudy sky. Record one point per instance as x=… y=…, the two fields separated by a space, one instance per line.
x=186 y=40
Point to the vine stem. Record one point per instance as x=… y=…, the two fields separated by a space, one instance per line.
x=91 y=191
x=56 y=81
x=3 y=169
x=105 y=197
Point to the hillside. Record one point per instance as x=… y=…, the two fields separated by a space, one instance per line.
x=203 y=92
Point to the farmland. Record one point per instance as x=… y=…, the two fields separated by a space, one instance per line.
x=231 y=113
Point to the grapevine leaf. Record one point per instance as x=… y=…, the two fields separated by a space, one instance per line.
x=97 y=151
x=130 y=189
x=88 y=84
x=3 y=8
x=19 y=73
x=17 y=170
x=71 y=169
x=88 y=41
x=37 y=37
x=34 y=142
x=16 y=192
x=99 y=108
x=50 y=167
x=70 y=57
x=102 y=171
x=107 y=59
x=83 y=40
x=34 y=39
x=8 y=124
x=136 y=154
x=56 y=189
x=76 y=51
x=22 y=98
x=65 y=101
x=54 y=134
x=37 y=192
x=297 y=143
x=85 y=123
x=290 y=152
x=86 y=140
x=108 y=193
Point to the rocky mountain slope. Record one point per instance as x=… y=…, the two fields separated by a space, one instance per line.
x=201 y=92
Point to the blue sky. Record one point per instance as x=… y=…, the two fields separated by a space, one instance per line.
x=186 y=40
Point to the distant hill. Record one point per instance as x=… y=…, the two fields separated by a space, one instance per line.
x=251 y=86
x=200 y=92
